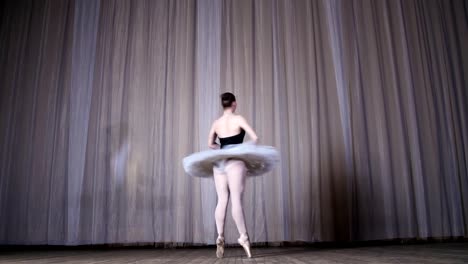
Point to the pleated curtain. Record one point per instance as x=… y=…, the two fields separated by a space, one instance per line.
x=366 y=101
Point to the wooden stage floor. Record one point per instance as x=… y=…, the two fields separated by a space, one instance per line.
x=443 y=252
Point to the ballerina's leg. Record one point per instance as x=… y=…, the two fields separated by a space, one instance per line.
x=222 y=191
x=236 y=176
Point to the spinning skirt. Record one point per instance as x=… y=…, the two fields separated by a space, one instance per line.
x=258 y=159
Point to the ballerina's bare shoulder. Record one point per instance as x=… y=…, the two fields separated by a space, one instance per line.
x=231 y=125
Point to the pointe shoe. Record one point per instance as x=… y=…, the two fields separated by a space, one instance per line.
x=245 y=243
x=220 y=247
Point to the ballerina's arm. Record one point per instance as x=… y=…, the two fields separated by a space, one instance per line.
x=243 y=123
x=212 y=137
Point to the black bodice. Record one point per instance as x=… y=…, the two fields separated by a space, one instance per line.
x=236 y=139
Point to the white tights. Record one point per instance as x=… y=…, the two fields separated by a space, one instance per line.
x=229 y=179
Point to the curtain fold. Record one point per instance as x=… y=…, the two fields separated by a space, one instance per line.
x=366 y=101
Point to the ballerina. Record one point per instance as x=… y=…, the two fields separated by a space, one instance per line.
x=230 y=162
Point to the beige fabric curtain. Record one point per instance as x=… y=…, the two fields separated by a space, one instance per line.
x=366 y=100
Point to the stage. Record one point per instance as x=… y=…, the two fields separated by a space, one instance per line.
x=346 y=124
x=442 y=252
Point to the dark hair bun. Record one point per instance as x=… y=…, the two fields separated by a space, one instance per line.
x=227 y=99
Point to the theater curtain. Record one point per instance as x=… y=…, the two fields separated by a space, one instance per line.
x=366 y=100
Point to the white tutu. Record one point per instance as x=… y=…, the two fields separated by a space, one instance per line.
x=258 y=159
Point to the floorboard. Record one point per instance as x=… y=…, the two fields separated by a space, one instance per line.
x=440 y=253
